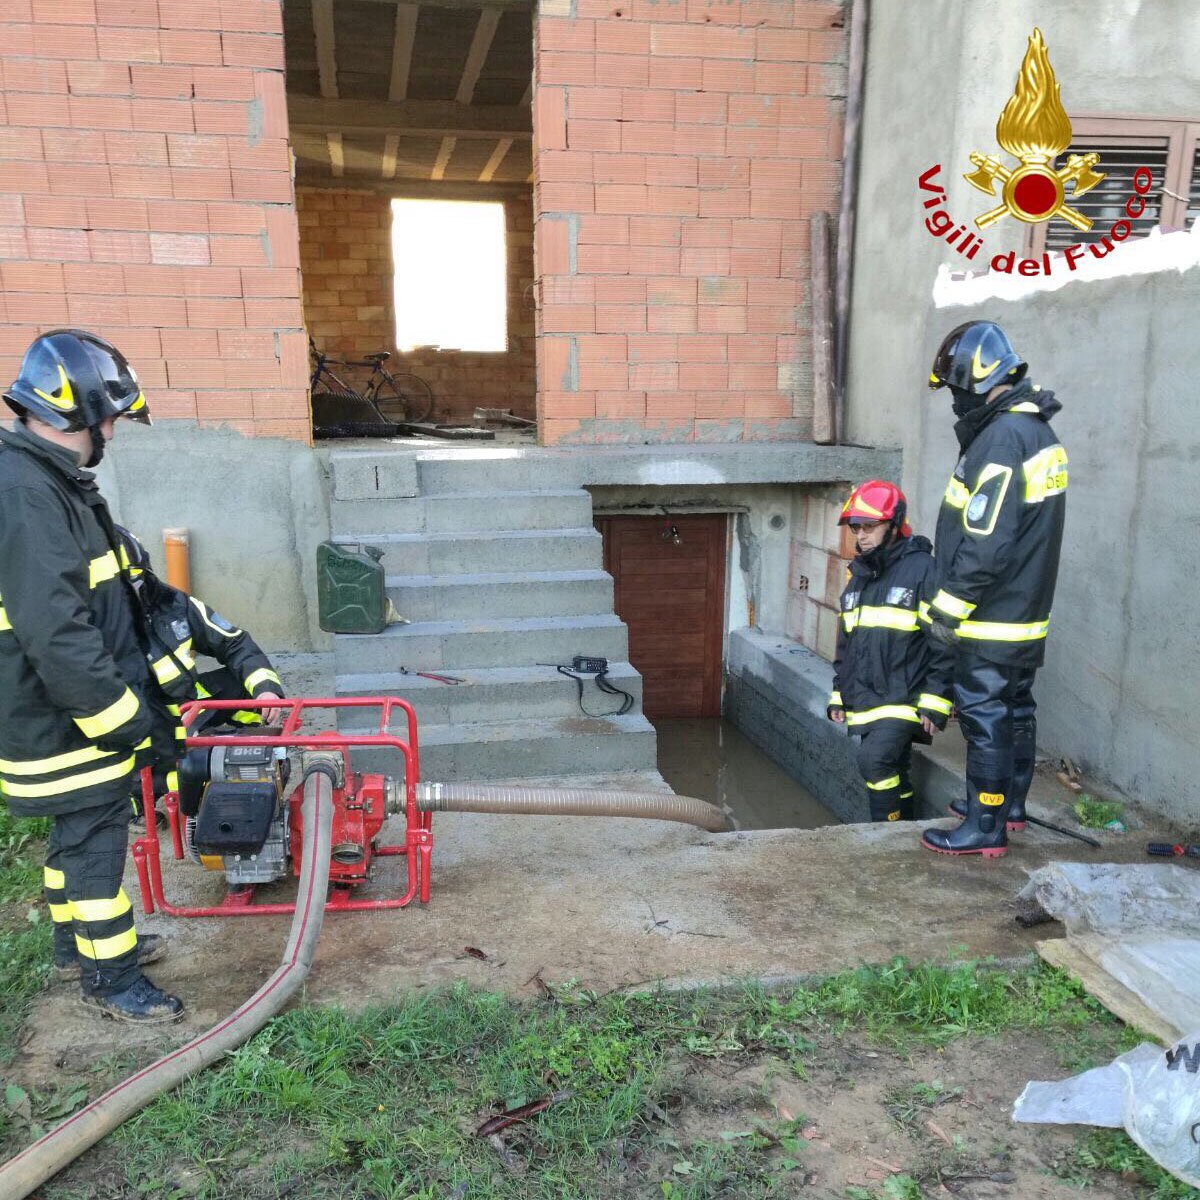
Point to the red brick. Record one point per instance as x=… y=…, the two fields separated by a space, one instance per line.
x=724 y=202
x=721 y=290
x=208 y=313
x=236 y=218
x=722 y=318
x=223 y=83
x=208 y=282
x=165 y=116
x=594 y=104
x=161 y=311
x=32 y=276
x=619 y=168
x=679 y=73
x=63 y=41
x=623 y=70
x=268 y=281
x=776 y=14
x=32 y=109
x=718 y=12
x=675 y=406
x=136 y=149
x=89 y=178
x=621 y=198
x=161 y=82
x=654 y=231
x=189 y=343
x=99 y=79
x=183 y=249
x=242 y=373
x=119 y=246
x=702 y=41
x=622 y=37
x=707 y=231
x=767 y=202
x=674 y=201
x=726 y=75
x=275 y=187
x=197 y=150
x=252 y=16
x=566 y=67
x=589 y=135
x=705 y=260
x=646 y=137
x=41 y=308
x=190 y=14
x=804 y=143
x=602 y=230
x=100 y=112
x=34 y=75
x=754 y=377
x=594 y=376
x=293 y=359
x=555 y=364
x=699 y=139
x=603 y=260
x=129 y=45
x=12 y=210
x=567 y=289
x=18 y=38
x=608 y=348
x=269 y=91
x=196 y=47
x=54 y=212
x=27 y=178
x=672 y=170
x=267 y=154
x=774 y=291
x=177 y=216
x=221 y=117
x=621 y=406
x=567 y=197
x=20 y=144
x=141 y=181
x=201 y=373
x=174 y=404
x=61 y=244
x=703 y=376
x=620 y=318
x=754 y=261
x=753 y=349
x=765 y=318
x=781 y=78
x=751 y=141
x=671 y=292
x=565 y=166
x=782 y=45
x=64 y=12
x=565 y=33
x=252 y=50
x=199 y=184
x=827 y=46
x=13 y=244
x=127 y=12
x=701 y=108
x=568 y=318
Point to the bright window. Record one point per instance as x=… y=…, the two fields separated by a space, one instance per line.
x=450 y=275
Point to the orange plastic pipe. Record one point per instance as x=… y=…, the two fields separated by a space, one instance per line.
x=179 y=570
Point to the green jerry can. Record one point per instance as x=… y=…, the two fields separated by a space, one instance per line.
x=350 y=588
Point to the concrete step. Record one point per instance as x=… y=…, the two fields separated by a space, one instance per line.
x=467 y=553
x=454 y=512
x=492 y=694
x=483 y=470
x=494 y=642
x=524 y=749
x=501 y=594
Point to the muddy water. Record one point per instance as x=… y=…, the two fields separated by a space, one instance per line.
x=711 y=760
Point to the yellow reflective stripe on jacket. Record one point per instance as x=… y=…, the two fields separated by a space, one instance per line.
x=952 y=606
x=71 y=783
x=103 y=568
x=880 y=616
x=101 y=910
x=1045 y=474
x=262 y=675
x=109 y=947
x=937 y=704
x=1004 y=631
x=56 y=762
x=165 y=669
x=110 y=718
x=5 y=623
x=1026 y=406
x=957 y=493
x=884 y=784
x=895 y=712
x=52 y=878
x=835 y=700
x=203 y=611
x=60 y=914
x=132 y=571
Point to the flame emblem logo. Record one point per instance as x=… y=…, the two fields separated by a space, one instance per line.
x=1034 y=127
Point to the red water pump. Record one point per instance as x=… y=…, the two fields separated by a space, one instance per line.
x=234 y=811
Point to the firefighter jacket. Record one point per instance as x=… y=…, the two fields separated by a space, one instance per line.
x=885 y=666
x=1000 y=528
x=70 y=721
x=182 y=628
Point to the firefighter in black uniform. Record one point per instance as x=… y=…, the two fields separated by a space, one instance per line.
x=998 y=539
x=74 y=714
x=887 y=686
x=181 y=628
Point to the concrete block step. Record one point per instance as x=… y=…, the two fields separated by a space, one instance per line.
x=494 y=642
x=454 y=512
x=492 y=694
x=501 y=594
x=467 y=553
x=523 y=749
x=488 y=471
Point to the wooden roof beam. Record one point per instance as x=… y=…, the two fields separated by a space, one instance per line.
x=408 y=118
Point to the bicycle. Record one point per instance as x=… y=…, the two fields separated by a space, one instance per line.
x=393 y=402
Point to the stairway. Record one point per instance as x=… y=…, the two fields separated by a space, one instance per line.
x=497 y=583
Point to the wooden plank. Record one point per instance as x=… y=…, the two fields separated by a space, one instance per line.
x=420 y=189
x=481 y=43
x=326 y=45
x=409 y=118
x=500 y=5
x=443 y=158
x=402 y=50
x=337 y=158
x=503 y=146
x=1097 y=982
x=391 y=148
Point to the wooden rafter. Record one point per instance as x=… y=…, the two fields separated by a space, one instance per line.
x=326 y=44
x=403 y=39
x=503 y=146
x=481 y=43
x=408 y=118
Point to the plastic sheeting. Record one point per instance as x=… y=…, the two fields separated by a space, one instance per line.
x=1134 y=920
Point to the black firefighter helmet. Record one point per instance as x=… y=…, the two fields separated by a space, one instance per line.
x=74 y=380
x=974 y=358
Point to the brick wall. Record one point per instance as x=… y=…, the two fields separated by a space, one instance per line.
x=145 y=193
x=346 y=261
x=679 y=150
x=821 y=550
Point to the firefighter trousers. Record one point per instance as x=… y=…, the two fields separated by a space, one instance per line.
x=92 y=915
x=884 y=758
x=996 y=714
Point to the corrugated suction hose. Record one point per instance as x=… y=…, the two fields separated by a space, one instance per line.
x=63 y=1144
x=570 y=802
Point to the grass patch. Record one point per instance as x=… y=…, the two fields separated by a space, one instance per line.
x=1093 y=813
x=385 y=1104
x=1113 y=1151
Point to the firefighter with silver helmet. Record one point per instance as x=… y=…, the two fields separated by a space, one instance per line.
x=74 y=712
x=999 y=534
x=889 y=685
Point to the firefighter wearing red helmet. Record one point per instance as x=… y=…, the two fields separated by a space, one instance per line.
x=999 y=534
x=75 y=713
x=887 y=686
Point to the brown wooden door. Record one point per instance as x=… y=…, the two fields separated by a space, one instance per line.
x=672 y=597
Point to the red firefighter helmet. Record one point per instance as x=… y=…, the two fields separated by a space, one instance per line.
x=876 y=500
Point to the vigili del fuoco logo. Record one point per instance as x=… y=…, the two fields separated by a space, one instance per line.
x=1034 y=128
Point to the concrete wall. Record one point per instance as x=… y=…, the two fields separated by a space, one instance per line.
x=1121 y=354
x=346 y=261
x=679 y=150
x=146 y=194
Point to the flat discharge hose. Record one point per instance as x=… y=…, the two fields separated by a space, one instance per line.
x=570 y=802
x=63 y=1144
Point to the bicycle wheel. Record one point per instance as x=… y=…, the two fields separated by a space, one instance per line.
x=405 y=398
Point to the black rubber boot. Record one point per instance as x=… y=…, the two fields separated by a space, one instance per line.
x=981 y=832
x=142 y=1004
x=150 y=948
x=1015 y=821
